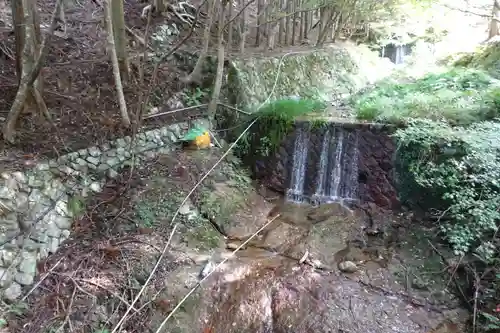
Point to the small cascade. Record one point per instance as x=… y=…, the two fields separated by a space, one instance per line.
x=330 y=177
x=300 y=153
x=323 y=165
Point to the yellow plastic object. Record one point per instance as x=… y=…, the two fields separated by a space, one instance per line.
x=203 y=141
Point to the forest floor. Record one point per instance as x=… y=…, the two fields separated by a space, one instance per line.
x=78 y=85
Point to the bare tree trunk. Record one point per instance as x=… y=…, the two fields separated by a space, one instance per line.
x=159 y=6
x=195 y=75
x=281 y=31
x=19 y=33
x=28 y=74
x=230 y=26
x=212 y=106
x=116 y=64
x=260 y=14
x=120 y=38
x=295 y=6
x=288 y=5
x=243 y=31
x=338 y=27
x=494 y=25
x=302 y=25
x=328 y=18
x=243 y=26
x=265 y=24
x=27 y=16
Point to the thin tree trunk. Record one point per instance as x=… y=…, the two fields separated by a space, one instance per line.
x=159 y=6
x=494 y=25
x=260 y=7
x=266 y=25
x=281 y=31
x=212 y=106
x=120 y=38
x=195 y=75
x=230 y=26
x=19 y=33
x=302 y=24
x=294 y=21
x=116 y=64
x=287 y=22
x=243 y=27
x=28 y=77
x=328 y=18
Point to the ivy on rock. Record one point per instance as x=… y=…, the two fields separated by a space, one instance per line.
x=458 y=169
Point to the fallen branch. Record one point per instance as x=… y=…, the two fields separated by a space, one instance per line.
x=138 y=38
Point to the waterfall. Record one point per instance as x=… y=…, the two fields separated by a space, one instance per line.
x=323 y=166
x=300 y=152
x=327 y=173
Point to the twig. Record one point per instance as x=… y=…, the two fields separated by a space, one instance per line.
x=68 y=311
x=138 y=38
x=234 y=108
x=174 y=111
x=41 y=280
x=124 y=301
x=213 y=270
x=215 y=139
x=131 y=306
x=123 y=318
x=464 y=297
x=476 y=296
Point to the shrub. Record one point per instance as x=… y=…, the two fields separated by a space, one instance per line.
x=459 y=96
x=460 y=167
x=275 y=120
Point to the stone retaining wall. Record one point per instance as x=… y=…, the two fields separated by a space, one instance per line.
x=36 y=205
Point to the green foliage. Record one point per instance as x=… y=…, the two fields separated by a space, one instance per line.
x=486 y=57
x=459 y=96
x=459 y=170
x=275 y=121
x=76 y=205
x=195 y=96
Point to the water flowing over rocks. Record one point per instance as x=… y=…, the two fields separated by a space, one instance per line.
x=338 y=161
